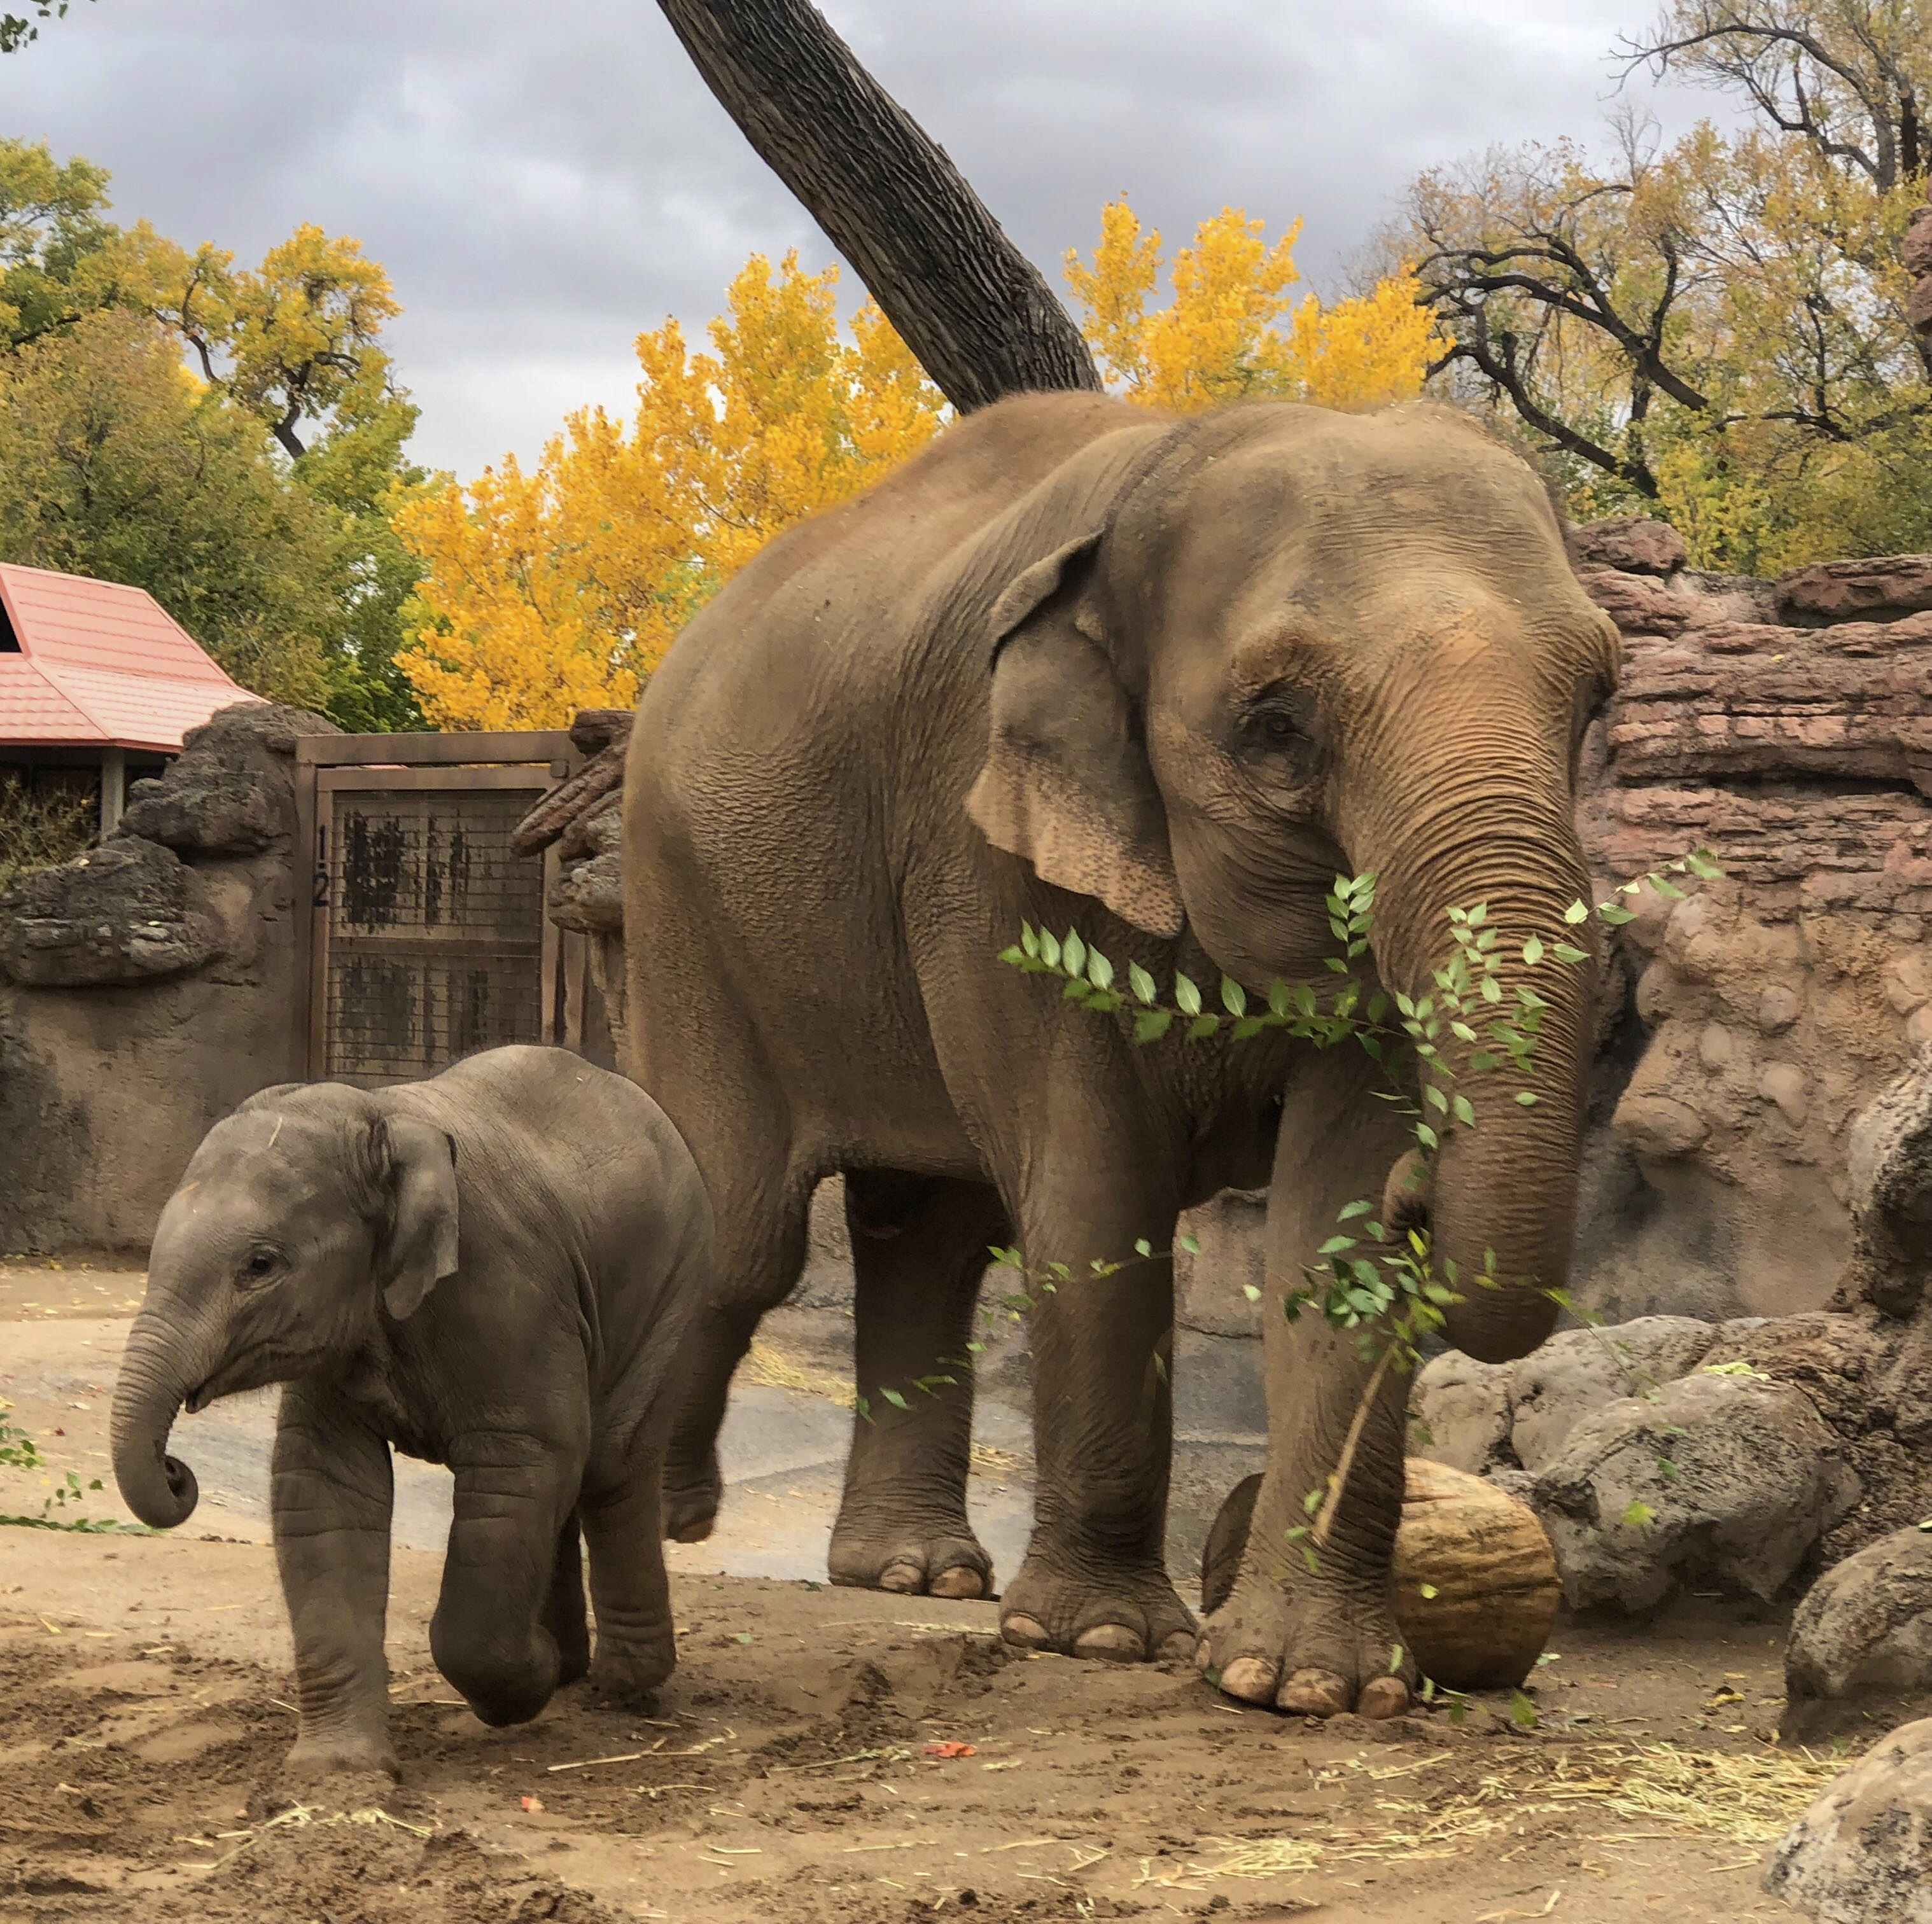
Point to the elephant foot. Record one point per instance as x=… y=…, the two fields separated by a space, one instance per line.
x=692 y=1490
x=629 y=1676
x=1124 y=1616
x=1317 y=1648
x=924 y=1558
x=340 y=1768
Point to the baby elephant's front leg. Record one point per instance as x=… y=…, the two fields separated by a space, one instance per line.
x=488 y=1636
x=330 y=1499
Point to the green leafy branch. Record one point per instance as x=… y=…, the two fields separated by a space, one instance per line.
x=19 y=1451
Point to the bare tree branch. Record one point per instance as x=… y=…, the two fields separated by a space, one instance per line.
x=977 y=314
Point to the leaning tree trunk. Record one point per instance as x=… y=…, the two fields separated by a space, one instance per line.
x=974 y=309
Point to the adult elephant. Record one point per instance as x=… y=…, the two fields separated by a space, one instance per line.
x=1160 y=681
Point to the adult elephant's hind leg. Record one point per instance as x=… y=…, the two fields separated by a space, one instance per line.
x=760 y=1205
x=919 y=1249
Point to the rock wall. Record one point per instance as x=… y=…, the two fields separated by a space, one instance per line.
x=1787 y=726
x=148 y=987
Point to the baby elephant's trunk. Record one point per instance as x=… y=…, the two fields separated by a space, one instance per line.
x=157 y=1488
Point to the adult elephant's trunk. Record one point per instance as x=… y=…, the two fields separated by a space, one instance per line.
x=1505 y=1185
x=155 y=1378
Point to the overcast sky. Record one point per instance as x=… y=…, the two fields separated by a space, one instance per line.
x=542 y=181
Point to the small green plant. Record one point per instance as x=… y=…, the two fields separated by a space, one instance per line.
x=19 y=1451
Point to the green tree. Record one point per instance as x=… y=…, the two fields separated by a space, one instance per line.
x=113 y=463
x=15 y=29
x=291 y=350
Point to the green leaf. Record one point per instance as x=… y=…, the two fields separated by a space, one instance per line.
x=1615 y=916
x=1430 y=1593
x=1203 y=1027
x=1435 y=1097
x=1278 y=995
x=1030 y=938
x=1532 y=951
x=1637 y=1514
x=1077 y=989
x=1667 y=1469
x=1187 y=995
x=1151 y=1024
x=893 y=1397
x=1233 y=997
x=1072 y=953
x=1568 y=952
x=1014 y=957
x=1192 y=1244
x=1426 y=1136
x=1522 y=1712
x=1478 y=914
x=1304 y=999
x=1143 y=1247
x=1528 y=1098
x=1465 y=1114
x=1049 y=949
x=1336 y=1244
x=1252 y=1294
x=1099 y=970
x=1576 y=912
x=1348 y=1212
x=1142 y=984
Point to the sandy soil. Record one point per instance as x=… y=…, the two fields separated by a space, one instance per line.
x=804 y=1763
x=798 y=1770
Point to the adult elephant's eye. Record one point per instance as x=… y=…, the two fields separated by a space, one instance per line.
x=1275 y=726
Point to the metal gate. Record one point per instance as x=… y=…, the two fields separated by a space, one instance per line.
x=427 y=937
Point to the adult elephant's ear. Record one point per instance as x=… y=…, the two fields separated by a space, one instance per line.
x=1066 y=785
x=420 y=1249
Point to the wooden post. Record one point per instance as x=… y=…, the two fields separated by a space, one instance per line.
x=113 y=789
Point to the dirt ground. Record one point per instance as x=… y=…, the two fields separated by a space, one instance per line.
x=806 y=1763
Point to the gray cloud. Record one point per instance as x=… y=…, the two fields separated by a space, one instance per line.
x=542 y=183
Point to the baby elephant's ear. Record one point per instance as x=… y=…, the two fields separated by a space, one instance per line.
x=420 y=1249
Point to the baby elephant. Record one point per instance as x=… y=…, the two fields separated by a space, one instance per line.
x=490 y=1269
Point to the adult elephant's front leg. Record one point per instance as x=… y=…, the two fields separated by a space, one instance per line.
x=489 y=1636
x=1320 y=1639
x=1095 y=1581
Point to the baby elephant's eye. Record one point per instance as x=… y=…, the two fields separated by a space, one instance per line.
x=257 y=1267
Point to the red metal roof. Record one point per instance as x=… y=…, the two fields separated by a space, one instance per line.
x=100 y=665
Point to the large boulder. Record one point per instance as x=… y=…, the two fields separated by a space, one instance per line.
x=1720 y=1481
x=126 y=911
x=1862 y=1853
x=1459 y=1413
x=230 y=791
x=1861 y=1645
x=1579 y=1371
x=1888 y=1164
x=1629 y=542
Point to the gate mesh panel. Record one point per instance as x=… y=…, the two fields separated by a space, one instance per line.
x=436 y=931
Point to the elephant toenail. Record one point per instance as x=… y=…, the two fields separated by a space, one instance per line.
x=1386 y=1697
x=1315 y=1693
x=1110 y=1643
x=1251 y=1679
x=1204 y=1654
x=961 y=1580
x=1178 y=1647
x=694 y=1532
x=908 y=1579
x=1028 y=1632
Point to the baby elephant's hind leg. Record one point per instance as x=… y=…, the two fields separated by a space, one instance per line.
x=563 y=1611
x=630 y=1594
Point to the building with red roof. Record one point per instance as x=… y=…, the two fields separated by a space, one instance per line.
x=98 y=682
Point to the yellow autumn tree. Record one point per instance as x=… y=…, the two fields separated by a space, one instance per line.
x=1232 y=330
x=556 y=588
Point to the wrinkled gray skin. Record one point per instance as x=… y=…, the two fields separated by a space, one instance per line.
x=1160 y=681
x=491 y=1269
